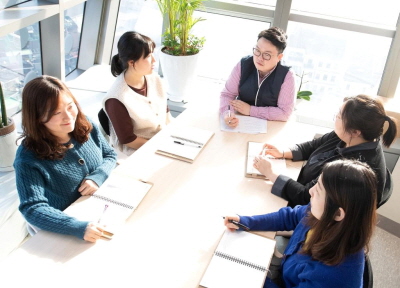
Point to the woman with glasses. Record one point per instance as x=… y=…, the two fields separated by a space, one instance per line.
x=358 y=129
x=259 y=85
x=331 y=235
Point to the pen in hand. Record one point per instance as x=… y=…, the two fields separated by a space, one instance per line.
x=102 y=214
x=244 y=227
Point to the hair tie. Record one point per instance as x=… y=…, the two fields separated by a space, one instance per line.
x=387 y=118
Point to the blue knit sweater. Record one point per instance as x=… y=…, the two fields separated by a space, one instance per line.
x=47 y=187
x=299 y=270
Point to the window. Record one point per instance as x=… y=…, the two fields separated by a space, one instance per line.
x=10 y=3
x=72 y=36
x=20 y=62
x=358 y=59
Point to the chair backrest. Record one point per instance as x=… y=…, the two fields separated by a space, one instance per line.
x=368 y=277
x=103 y=119
x=387 y=190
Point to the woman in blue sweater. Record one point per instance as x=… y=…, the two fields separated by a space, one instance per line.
x=62 y=157
x=331 y=234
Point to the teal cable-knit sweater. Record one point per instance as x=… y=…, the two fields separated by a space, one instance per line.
x=47 y=187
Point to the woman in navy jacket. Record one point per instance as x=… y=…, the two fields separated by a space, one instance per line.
x=358 y=129
x=331 y=234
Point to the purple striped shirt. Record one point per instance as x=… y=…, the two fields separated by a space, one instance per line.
x=286 y=97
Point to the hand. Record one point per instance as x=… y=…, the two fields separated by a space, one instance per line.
x=271 y=150
x=88 y=187
x=231 y=227
x=93 y=232
x=264 y=165
x=241 y=107
x=230 y=118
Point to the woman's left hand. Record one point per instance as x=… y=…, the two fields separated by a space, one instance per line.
x=264 y=165
x=241 y=107
x=88 y=187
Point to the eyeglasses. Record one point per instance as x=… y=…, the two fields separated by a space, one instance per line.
x=337 y=115
x=266 y=56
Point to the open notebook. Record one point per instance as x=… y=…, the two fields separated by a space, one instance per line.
x=184 y=143
x=112 y=203
x=253 y=150
x=241 y=260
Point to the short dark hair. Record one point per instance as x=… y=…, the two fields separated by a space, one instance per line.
x=367 y=114
x=351 y=185
x=276 y=36
x=131 y=46
x=40 y=98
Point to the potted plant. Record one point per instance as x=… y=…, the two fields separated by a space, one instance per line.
x=8 y=136
x=305 y=95
x=179 y=55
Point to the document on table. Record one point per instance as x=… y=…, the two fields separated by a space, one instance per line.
x=247 y=124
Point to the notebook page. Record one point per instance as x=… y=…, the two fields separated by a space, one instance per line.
x=124 y=189
x=247 y=124
x=254 y=149
x=248 y=247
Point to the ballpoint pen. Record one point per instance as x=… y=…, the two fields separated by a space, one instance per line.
x=244 y=227
x=229 y=113
x=188 y=144
x=102 y=214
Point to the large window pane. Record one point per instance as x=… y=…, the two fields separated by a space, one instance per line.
x=337 y=63
x=224 y=47
x=142 y=16
x=20 y=62
x=72 y=32
x=9 y=3
x=384 y=12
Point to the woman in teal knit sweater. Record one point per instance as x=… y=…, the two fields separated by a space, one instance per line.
x=62 y=157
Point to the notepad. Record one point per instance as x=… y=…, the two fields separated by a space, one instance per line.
x=253 y=150
x=184 y=143
x=241 y=260
x=247 y=124
x=121 y=193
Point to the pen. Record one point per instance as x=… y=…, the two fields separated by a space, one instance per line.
x=244 y=227
x=229 y=113
x=102 y=214
x=189 y=144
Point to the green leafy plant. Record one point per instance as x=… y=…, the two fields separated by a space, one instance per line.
x=177 y=38
x=303 y=94
x=4 y=119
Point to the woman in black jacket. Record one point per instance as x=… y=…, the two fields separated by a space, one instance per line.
x=358 y=129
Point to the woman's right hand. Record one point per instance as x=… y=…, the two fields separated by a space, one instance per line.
x=269 y=149
x=230 y=119
x=232 y=227
x=93 y=232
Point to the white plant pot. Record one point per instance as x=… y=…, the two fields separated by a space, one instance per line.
x=179 y=73
x=8 y=148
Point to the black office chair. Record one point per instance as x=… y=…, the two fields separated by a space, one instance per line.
x=387 y=190
x=104 y=121
x=368 y=277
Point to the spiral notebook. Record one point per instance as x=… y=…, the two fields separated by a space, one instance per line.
x=253 y=150
x=241 y=260
x=184 y=143
x=112 y=203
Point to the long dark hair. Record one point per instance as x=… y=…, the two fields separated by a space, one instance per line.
x=131 y=46
x=40 y=99
x=351 y=185
x=368 y=115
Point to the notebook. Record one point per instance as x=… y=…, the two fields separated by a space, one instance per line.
x=241 y=260
x=247 y=124
x=253 y=150
x=184 y=143
x=112 y=203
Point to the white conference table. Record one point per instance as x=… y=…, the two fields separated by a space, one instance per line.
x=169 y=240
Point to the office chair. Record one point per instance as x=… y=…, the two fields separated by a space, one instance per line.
x=387 y=190
x=368 y=277
x=104 y=121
